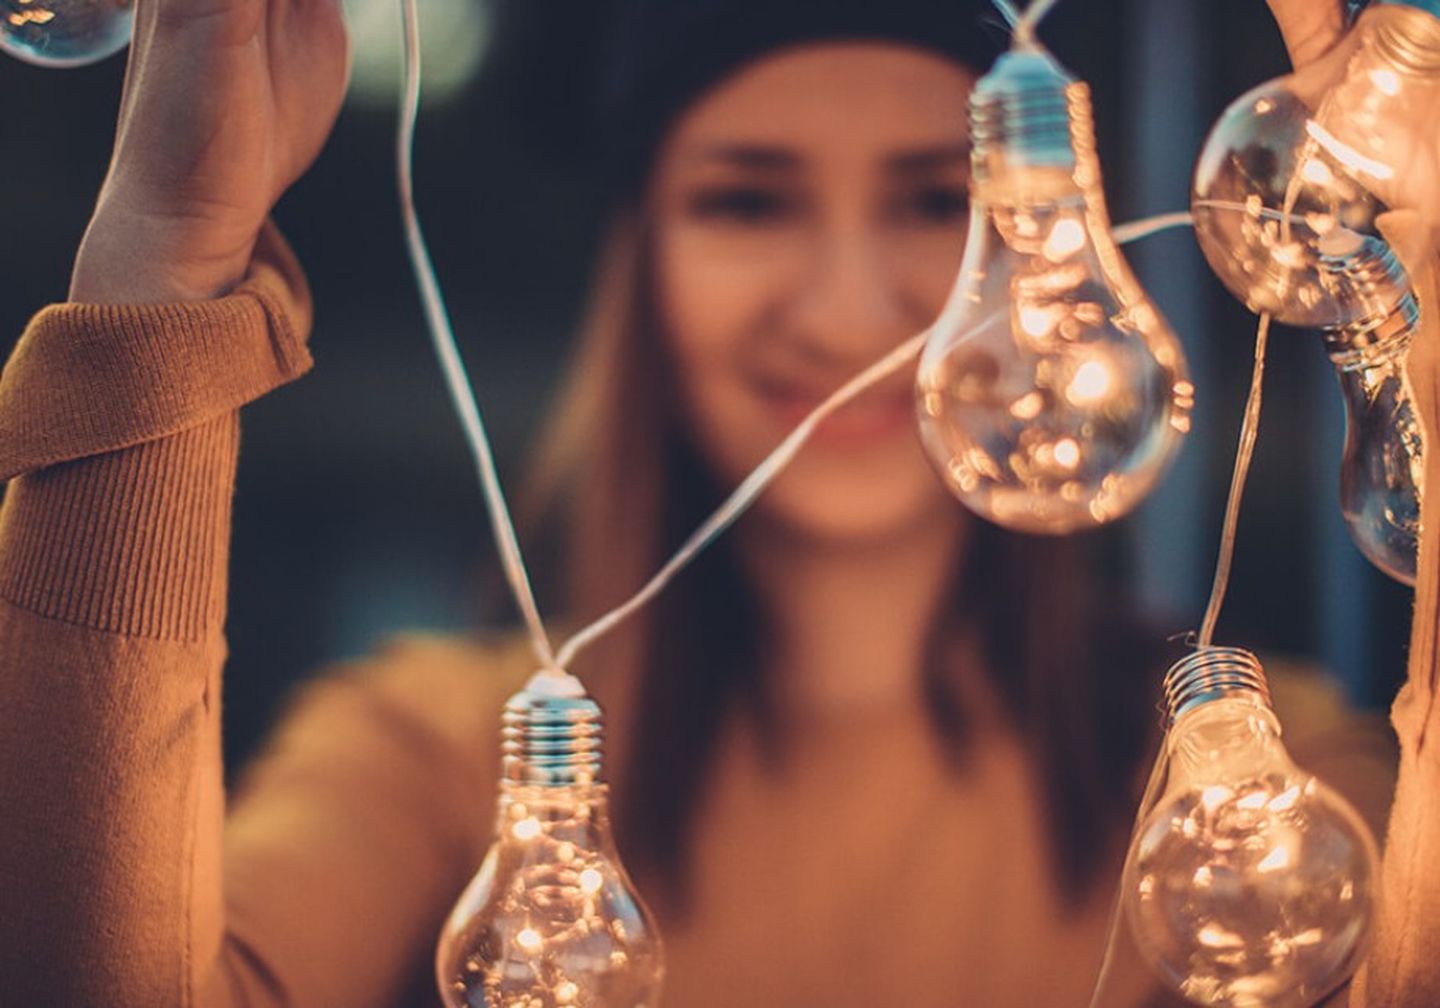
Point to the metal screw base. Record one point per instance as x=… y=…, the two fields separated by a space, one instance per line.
x=1210 y=674
x=551 y=741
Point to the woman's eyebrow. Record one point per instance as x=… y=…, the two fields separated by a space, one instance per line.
x=765 y=157
x=921 y=160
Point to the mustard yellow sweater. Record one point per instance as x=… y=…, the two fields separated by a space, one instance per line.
x=125 y=881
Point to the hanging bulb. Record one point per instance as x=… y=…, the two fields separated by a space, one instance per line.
x=1251 y=883
x=1381 y=471
x=1288 y=194
x=1051 y=393
x=551 y=920
x=1295 y=173
x=65 y=33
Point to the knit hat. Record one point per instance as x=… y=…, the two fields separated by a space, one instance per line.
x=606 y=80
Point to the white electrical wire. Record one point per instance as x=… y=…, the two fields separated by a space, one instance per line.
x=457 y=381
x=1124 y=234
x=1008 y=12
x=1244 y=452
x=1030 y=20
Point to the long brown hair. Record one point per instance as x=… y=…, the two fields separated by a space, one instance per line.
x=620 y=478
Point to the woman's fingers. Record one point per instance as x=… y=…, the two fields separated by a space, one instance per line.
x=1309 y=27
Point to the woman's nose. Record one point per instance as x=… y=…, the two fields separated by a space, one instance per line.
x=847 y=304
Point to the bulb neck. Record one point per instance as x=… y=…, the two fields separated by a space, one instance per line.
x=1022 y=115
x=1376 y=277
x=1214 y=673
x=551 y=740
x=1406 y=34
x=1364 y=346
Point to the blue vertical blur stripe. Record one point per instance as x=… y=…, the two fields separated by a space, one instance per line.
x=1344 y=590
x=1166 y=74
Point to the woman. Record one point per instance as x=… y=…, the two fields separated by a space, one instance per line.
x=839 y=780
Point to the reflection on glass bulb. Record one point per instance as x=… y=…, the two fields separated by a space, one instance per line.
x=1051 y=393
x=551 y=920
x=65 y=33
x=1289 y=193
x=1250 y=884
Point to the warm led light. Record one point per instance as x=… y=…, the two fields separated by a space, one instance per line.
x=590 y=881
x=1035 y=321
x=1092 y=381
x=1215 y=936
x=1066 y=238
x=529 y=939
x=526 y=829
x=1067 y=453
x=1274 y=861
x=1316 y=172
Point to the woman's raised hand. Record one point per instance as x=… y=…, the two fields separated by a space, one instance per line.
x=226 y=103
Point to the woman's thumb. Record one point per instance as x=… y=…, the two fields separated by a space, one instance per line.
x=1309 y=27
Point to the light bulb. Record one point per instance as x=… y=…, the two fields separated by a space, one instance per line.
x=1251 y=883
x=1295 y=173
x=65 y=33
x=551 y=920
x=1381 y=471
x=1289 y=193
x=1051 y=393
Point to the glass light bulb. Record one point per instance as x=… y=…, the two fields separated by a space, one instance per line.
x=1295 y=173
x=1051 y=393
x=1251 y=883
x=65 y=33
x=551 y=920
x=1382 y=469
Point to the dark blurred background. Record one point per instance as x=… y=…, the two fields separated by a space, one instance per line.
x=358 y=512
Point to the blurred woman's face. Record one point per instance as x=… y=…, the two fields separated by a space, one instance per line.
x=809 y=216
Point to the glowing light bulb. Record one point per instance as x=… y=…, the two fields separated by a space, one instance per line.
x=65 y=33
x=551 y=919
x=1289 y=193
x=1250 y=883
x=1051 y=393
x=1295 y=173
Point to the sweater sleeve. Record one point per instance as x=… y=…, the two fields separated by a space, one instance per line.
x=118 y=434
x=1402 y=970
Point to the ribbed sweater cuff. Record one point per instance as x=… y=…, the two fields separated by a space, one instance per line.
x=87 y=379
x=121 y=424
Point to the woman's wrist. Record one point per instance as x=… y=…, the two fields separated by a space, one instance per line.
x=131 y=258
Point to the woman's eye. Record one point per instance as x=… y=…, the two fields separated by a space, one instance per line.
x=741 y=204
x=937 y=205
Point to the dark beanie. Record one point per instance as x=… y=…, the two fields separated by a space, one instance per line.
x=611 y=78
